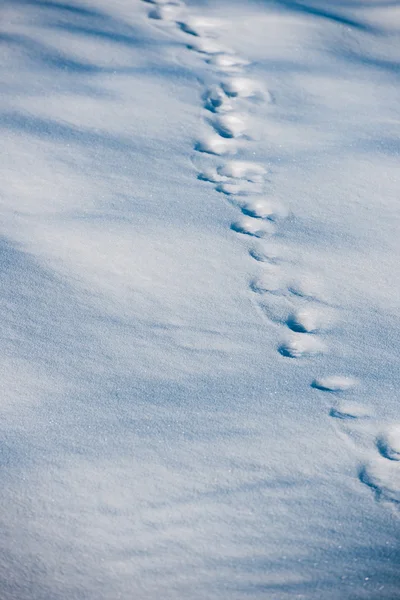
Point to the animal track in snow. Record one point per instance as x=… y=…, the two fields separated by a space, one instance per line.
x=216 y=145
x=268 y=253
x=308 y=288
x=309 y=320
x=229 y=125
x=334 y=383
x=165 y=12
x=274 y=306
x=239 y=169
x=253 y=227
x=240 y=188
x=263 y=208
x=205 y=46
x=279 y=298
x=211 y=175
x=383 y=476
x=228 y=62
x=236 y=177
x=350 y=411
x=197 y=26
x=270 y=281
x=301 y=344
x=243 y=88
x=216 y=100
x=388 y=442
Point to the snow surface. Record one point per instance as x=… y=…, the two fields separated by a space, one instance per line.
x=170 y=424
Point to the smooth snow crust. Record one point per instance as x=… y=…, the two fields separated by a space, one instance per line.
x=199 y=299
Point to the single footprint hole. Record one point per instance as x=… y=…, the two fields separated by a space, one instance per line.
x=268 y=253
x=197 y=26
x=301 y=345
x=350 y=411
x=238 y=169
x=309 y=320
x=383 y=477
x=243 y=88
x=263 y=208
x=308 y=287
x=165 y=12
x=334 y=383
x=388 y=442
x=268 y=282
x=239 y=188
x=253 y=227
x=215 y=100
x=229 y=125
x=216 y=145
x=205 y=46
x=228 y=62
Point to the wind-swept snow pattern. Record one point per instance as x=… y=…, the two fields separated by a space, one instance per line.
x=200 y=300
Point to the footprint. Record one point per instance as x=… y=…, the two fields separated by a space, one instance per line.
x=228 y=62
x=263 y=208
x=308 y=288
x=211 y=175
x=270 y=281
x=261 y=255
x=216 y=100
x=334 y=383
x=165 y=12
x=197 y=26
x=240 y=188
x=243 y=88
x=253 y=227
x=275 y=306
x=205 y=46
x=270 y=253
x=238 y=169
x=350 y=411
x=388 y=442
x=309 y=320
x=216 y=145
x=301 y=345
x=382 y=476
x=229 y=125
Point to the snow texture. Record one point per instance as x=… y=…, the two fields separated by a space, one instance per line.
x=199 y=262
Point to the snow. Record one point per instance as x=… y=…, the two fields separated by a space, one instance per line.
x=173 y=317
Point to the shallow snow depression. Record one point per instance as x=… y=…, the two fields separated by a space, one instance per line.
x=200 y=300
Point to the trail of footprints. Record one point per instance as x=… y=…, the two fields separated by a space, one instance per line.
x=297 y=306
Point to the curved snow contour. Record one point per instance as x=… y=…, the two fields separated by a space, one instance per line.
x=334 y=383
x=230 y=125
x=165 y=12
x=263 y=208
x=270 y=281
x=240 y=169
x=255 y=227
x=382 y=476
x=388 y=442
x=228 y=62
x=243 y=87
x=197 y=26
x=350 y=411
x=309 y=320
x=301 y=344
x=216 y=145
x=216 y=100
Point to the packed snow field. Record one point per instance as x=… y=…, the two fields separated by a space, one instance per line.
x=200 y=300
